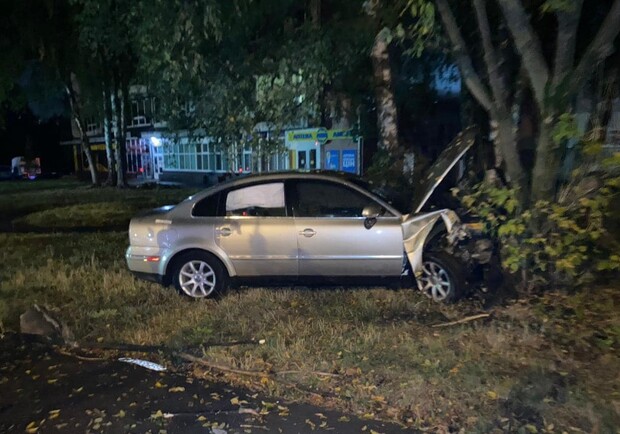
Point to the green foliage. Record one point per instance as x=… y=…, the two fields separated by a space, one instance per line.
x=422 y=33
x=224 y=67
x=551 y=242
x=565 y=128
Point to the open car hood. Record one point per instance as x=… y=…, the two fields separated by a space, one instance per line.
x=445 y=162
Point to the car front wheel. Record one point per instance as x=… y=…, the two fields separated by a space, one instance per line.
x=199 y=275
x=442 y=277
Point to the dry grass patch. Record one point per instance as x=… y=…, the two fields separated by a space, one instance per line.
x=529 y=366
x=95 y=215
x=21 y=198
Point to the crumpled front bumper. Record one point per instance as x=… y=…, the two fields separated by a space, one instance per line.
x=417 y=228
x=471 y=248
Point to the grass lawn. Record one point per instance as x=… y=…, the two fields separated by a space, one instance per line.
x=549 y=364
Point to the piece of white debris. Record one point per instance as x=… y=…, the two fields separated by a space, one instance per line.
x=218 y=431
x=262 y=341
x=144 y=363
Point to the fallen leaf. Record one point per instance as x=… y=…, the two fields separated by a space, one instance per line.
x=157 y=415
x=32 y=427
x=249 y=411
x=176 y=389
x=492 y=394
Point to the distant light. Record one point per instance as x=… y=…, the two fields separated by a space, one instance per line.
x=155 y=141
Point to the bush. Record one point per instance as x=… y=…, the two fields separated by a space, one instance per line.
x=567 y=242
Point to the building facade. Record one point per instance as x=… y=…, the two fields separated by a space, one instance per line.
x=156 y=153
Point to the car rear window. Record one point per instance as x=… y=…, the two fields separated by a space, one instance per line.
x=207 y=207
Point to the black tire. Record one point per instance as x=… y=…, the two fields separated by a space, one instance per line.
x=437 y=268
x=207 y=273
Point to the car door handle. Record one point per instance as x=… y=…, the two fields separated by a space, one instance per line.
x=224 y=232
x=307 y=232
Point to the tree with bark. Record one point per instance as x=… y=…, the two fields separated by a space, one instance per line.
x=521 y=68
x=44 y=32
x=224 y=67
x=106 y=35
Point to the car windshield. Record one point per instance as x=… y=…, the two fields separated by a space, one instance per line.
x=389 y=195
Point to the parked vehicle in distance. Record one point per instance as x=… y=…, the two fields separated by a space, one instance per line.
x=20 y=168
x=303 y=226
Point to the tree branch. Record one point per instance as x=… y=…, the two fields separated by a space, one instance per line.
x=462 y=58
x=600 y=48
x=464 y=320
x=528 y=46
x=490 y=56
x=568 y=21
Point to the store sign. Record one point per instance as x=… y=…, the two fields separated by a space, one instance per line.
x=332 y=160
x=349 y=161
x=320 y=135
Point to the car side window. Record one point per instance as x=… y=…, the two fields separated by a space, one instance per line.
x=207 y=207
x=262 y=200
x=328 y=199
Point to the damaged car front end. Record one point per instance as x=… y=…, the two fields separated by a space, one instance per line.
x=447 y=256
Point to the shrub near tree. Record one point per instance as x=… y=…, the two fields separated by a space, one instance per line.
x=566 y=242
x=526 y=64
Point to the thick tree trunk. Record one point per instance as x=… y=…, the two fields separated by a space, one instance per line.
x=387 y=118
x=73 y=91
x=107 y=133
x=506 y=143
x=547 y=163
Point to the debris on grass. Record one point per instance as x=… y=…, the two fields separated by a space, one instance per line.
x=144 y=363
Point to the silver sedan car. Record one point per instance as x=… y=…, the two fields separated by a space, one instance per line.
x=297 y=226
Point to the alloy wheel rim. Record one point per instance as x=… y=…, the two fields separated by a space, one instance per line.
x=197 y=279
x=436 y=281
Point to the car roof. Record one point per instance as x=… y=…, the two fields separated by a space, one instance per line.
x=289 y=174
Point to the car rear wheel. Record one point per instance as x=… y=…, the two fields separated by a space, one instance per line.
x=442 y=277
x=199 y=275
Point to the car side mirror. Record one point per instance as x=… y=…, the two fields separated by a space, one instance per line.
x=372 y=211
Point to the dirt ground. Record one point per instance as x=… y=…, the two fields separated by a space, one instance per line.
x=44 y=391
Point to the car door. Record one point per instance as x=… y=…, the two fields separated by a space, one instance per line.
x=335 y=240
x=255 y=231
